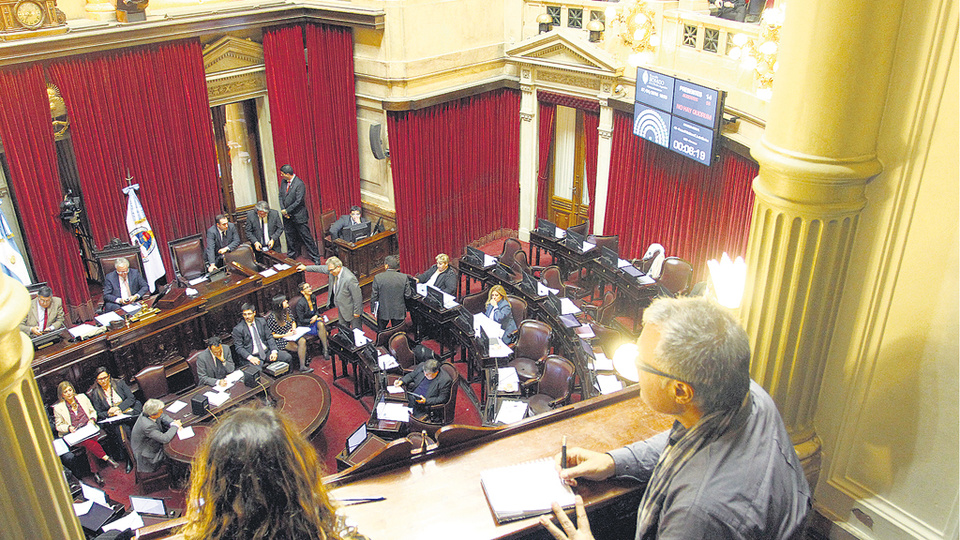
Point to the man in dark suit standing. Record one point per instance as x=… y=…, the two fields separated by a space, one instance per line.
x=343 y=291
x=152 y=430
x=296 y=220
x=428 y=382
x=221 y=238
x=254 y=341
x=264 y=227
x=390 y=288
x=353 y=218
x=440 y=275
x=214 y=363
x=123 y=286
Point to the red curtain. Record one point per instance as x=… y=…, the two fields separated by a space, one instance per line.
x=333 y=104
x=695 y=212
x=143 y=111
x=591 y=122
x=548 y=112
x=455 y=174
x=27 y=136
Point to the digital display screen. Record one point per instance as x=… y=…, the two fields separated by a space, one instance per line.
x=655 y=89
x=696 y=103
x=651 y=124
x=692 y=140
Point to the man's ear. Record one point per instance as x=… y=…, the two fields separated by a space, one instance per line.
x=683 y=392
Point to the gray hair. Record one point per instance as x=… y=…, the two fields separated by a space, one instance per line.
x=702 y=343
x=45 y=292
x=335 y=262
x=262 y=206
x=152 y=407
x=431 y=366
x=121 y=263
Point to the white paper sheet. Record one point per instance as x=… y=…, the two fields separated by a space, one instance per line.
x=359 y=338
x=394 y=389
x=487 y=325
x=60 y=447
x=194 y=281
x=511 y=410
x=449 y=301
x=112 y=419
x=268 y=272
x=235 y=376
x=621 y=263
x=542 y=289
x=217 y=398
x=587 y=246
x=609 y=384
x=176 y=406
x=298 y=333
x=148 y=505
x=106 y=318
x=489 y=260
x=584 y=331
x=560 y=233
x=508 y=380
x=499 y=349
x=281 y=267
x=567 y=307
x=191 y=291
x=91 y=493
x=185 y=433
x=422 y=289
x=602 y=363
x=393 y=411
x=646 y=280
x=86 y=330
x=387 y=361
x=130 y=308
x=82 y=508
x=129 y=521
x=81 y=434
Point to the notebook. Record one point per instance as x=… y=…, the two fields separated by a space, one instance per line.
x=524 y=490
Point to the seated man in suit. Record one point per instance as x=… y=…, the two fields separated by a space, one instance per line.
x=46 y=313
x=254 y=341
x=390 y=288
x=123 y=286
x=152 y=430
x=221 y=238
x=428 y=382
x=440 y=275
x=343 y=221
x=264 y=227
x=214 y=363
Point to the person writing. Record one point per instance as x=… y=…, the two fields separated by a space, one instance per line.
x=440 y=275
x=283 y=327
x=123 y=286
x=256 y=476
x=112 y=397
x=727 y=468
x=46 y=313
x=214 y=363
x=427 y=385
x=498 y=309
x=73 y=412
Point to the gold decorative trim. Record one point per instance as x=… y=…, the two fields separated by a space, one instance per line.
x=568 y=79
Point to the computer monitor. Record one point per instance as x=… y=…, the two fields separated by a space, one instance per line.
x=356 y=438
x=609 y=257
x=502 y=272
x=355 y=232
x=574 y=241
x=464 y=319
x=546 y=227
x=474 y=256
x=552 y=303
x=434 y=297
x=528 y=284
x=483 y=342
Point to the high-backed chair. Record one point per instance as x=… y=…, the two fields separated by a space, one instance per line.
x=243 y=256
x=152 y=381
x=107 y=257
x=510 y=247
x=518 y=308
x=675 y=275
x=443 y=413
x=605 y=312
x=520 y=264
x=399 y=347
x=581 y=228
x=532 y=346
x=609 y=242
x=551 y=277
x=192 y=364
x=609 y=338
x=383 y=338
x=187 y=256
x=474 y=303
x=327 y=217
x=554 y=386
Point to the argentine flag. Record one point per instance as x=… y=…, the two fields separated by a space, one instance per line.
x=10 y=258
x=142 y=234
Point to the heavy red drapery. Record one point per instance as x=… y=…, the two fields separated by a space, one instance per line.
x=144 y=111
x=334 y=114
x=591 y=140
x=27 y=136
x=455 y=174
x=695 y=212
x=548 y=112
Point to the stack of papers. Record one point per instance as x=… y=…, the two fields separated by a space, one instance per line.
x=542 y=290
x=508 y=380
x=587 y=246
x=106 y=318
x=621 y=263
x=235 y=376
x=298 y=333
x=176 y=406
x=217 y=398
x=82 y=434
x=84 y=331
x=394 y=389
x=359 y=339
x=194 y=281
x=489 y=260
x=524 y=490
x=511 y=410
x=129 y=521
x=602 y=363
x=393 y=411
x=280 y=266
x=387 y=361
x=567 y=307
x=499 y=349
x=112 y=419
x=487 y=325
x=185 y=433
x=130 y=308
x=609 y=384
x=268 y=272
x=561 y=233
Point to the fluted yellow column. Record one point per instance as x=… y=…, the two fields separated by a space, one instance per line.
x=816 y=157
x=34 y=500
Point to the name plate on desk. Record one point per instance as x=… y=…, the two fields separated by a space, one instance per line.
x=173 y=298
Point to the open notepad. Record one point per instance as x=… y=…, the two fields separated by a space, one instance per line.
x=524 y=490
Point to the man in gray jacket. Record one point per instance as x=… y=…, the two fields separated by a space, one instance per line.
x=152 y=430
x=214 y=363
x=390 y=288
x=343 y=290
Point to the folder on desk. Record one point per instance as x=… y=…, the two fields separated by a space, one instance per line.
x=524 y=490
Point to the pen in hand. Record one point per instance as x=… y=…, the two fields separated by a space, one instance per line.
x=563 y=452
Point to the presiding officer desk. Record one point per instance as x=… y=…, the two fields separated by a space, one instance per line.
x=168 y=336
x=438 y=494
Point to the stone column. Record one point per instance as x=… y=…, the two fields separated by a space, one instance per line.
x=816 y=157
x=528 y=154
x=34 y=499
x=604 y=152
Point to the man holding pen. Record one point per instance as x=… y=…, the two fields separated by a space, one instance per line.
x=727 y=468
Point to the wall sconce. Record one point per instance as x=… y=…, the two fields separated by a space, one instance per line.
x=760 y=55
x=545 y=21
x=595 y=27
x=637 y=29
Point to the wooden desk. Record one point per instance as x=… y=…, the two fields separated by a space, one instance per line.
x=453 y=477
x=365 y=258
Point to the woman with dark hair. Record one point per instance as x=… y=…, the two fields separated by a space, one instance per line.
x=258 y=478
x=282 y=326
x=73 y=412
x=498 y=309
x=112 y=397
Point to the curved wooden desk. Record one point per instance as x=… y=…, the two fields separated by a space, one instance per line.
x=303 y=397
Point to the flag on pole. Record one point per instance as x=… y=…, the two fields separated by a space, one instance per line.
x=142 y=234
x=10 y=258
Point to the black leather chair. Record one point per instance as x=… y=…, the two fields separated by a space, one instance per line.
x=474 y=303
x=327 y=218
x=443 y=413
x=152 y=381
x=107 y=257
x=532 y=346
x=554 y=386
x=675 y=276
x=243 y=256
x=187 y=256
x=510 y=247
x=581 y=228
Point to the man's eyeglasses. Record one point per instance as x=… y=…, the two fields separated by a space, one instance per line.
x=650 y=369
